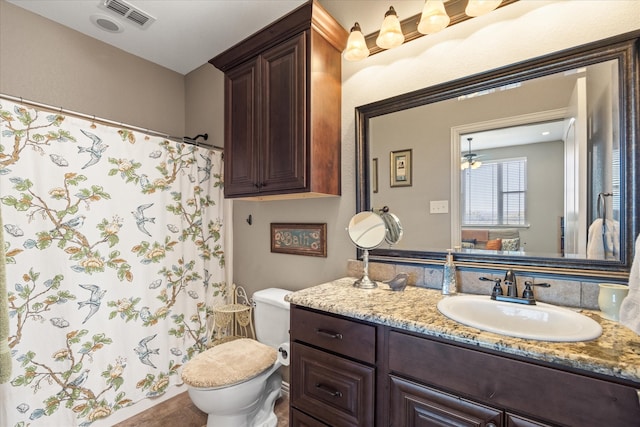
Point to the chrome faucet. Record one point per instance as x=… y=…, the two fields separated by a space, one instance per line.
x=510 y=282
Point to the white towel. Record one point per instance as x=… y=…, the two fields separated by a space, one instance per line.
x=607 y=247
x=630 y=308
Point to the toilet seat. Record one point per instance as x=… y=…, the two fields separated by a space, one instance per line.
x=229 y=363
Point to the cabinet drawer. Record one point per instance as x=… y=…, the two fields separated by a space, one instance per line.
x=346 y=337
x=300 y=419
x=540 y=392
x=335 y=390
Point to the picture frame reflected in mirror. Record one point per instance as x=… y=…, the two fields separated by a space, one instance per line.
x=401 y=168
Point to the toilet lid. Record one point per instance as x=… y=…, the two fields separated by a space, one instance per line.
x=229 y=363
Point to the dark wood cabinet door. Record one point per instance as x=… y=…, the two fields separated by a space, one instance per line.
x=332 y=389
x=415 y=405
x=284 y=142
x=553 y=395
x=242 y=109
x=283 y=92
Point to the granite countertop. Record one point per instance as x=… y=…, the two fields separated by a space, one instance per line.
x=615 y=353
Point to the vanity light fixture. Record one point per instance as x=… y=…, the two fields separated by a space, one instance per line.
x=481 y=7
x=356 y=49
x=434 y=17
x=390 y=32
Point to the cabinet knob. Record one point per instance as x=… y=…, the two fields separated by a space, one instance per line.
x=491 y=425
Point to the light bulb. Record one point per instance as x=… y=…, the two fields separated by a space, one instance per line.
x=390 y=32
x=434 y=17
x=480 y=7
x=356 y=49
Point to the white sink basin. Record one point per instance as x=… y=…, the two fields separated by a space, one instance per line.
x=542 y=322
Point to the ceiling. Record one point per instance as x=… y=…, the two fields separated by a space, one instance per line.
x=188 y=33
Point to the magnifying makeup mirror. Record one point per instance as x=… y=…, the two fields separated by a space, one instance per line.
x=367 y=230
x=393 y=227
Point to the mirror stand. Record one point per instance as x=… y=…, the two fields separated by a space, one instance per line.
x=367 y=230
x=364 y=282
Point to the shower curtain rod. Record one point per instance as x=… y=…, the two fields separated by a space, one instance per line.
x=108 y=122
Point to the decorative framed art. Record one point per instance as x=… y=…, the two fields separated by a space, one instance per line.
x=374 y=175
x=299 y=239
x=401 y=168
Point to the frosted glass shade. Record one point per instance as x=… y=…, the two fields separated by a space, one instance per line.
x=480 y=7
x=356 y=49
x=390 y=32
x=434 y=17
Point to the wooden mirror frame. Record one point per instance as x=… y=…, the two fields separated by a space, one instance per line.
x=624 y=48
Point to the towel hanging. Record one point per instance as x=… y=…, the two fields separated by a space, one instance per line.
x=602 y=213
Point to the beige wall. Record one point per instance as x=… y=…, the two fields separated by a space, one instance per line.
x=46 y=62
x=204 y=109
x=427 y=131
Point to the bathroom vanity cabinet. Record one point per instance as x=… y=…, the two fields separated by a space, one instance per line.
x=334 y=361
x=346 y=372
x=282 y=108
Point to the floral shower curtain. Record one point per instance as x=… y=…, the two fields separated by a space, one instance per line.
x=113 y=243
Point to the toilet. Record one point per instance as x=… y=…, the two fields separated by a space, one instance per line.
x=237 y=383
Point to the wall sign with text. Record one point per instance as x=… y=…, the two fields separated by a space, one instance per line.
x=299 y=239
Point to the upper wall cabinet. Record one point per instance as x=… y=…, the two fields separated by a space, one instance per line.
x=282 y=108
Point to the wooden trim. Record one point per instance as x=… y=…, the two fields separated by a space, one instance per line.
x=309 y=15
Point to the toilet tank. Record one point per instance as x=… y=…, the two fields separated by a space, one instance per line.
x=271 y=316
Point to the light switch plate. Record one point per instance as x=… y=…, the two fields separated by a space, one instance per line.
x=439 y=206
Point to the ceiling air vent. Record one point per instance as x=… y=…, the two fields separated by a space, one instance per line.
x=129 y=12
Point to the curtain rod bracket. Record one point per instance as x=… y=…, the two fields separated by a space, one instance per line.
x=204 y=136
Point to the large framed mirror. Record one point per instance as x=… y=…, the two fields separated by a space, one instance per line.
x=532 y=165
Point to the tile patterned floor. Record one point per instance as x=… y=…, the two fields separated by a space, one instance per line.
x=179 y=411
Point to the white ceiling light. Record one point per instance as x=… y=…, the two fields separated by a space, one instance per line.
x=106 y=23
x=390 y=35
x=434 y=17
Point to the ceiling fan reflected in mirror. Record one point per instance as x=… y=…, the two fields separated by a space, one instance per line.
x=469 y=160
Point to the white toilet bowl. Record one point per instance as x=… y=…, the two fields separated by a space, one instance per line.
x=237 y=383
x=249 y=403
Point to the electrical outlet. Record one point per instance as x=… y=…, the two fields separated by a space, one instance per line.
x=439 y=206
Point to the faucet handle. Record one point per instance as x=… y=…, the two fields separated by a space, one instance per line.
x=497 y=289
x=528 y=292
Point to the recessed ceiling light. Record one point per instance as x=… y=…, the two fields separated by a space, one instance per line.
x=106 y=23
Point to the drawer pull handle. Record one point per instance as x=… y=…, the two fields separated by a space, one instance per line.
x=329 y=334
x=328 y=390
